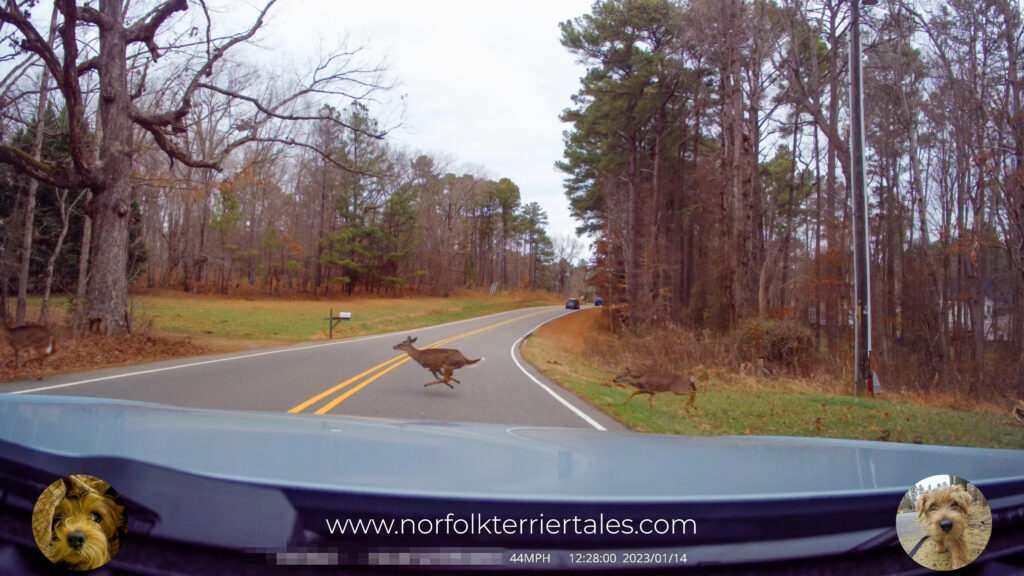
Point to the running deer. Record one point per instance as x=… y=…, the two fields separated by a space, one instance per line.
x=38 y=340
x=654 y=383
x=445 y=360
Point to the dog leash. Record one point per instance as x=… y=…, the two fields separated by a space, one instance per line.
x=916 y=548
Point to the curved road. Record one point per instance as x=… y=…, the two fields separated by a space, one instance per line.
x=362 y=377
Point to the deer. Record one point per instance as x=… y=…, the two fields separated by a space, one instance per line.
x=37 y=339
x=654 y=383
x=444 y=360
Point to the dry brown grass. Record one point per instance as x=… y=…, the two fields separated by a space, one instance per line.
x=708 y=357
x=581 y=354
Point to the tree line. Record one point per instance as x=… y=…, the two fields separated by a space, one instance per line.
x=383 y=223
x=708 y=154
x=142 y=146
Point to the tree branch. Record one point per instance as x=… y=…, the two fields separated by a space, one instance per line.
x=174 y=117
x=145 y=29
x=33 y=41
x=92 y=64
x=93 y=16
x=59 y=175
x=78 y=128
x=273 y=111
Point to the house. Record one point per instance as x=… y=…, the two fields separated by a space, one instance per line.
x=998 y=304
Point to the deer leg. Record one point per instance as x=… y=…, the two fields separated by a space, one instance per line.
x=692 y=403
x=440 y=381
x=650 y=400
x=445 y=382
x=448 y=376
x=635 y=392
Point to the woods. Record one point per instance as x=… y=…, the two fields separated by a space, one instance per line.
x=708 y=156
x=147 y=145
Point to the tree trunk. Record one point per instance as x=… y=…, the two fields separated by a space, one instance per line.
x=107 y=293
x=33 y=185
x=65 y=219
x=79 y=325
x=637 y=314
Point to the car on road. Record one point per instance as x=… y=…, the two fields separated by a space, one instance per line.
x=598 y=302
x=572 y=304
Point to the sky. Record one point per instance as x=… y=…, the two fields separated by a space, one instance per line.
x=933 y=482
x=478 y=83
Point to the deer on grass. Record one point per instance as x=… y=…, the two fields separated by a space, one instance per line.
x=653 y=383
x=37 y=340
x=443 y=360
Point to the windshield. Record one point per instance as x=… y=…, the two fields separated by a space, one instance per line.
x=391 y=284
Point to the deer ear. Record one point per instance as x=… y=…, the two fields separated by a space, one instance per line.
x=411 y=340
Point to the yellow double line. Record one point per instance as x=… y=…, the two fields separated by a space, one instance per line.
x=385 y=367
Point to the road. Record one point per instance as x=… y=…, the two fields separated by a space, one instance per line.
x=362 y=377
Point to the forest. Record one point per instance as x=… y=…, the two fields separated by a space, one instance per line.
x=709 y=156
x=239 y=178
x=706 y=156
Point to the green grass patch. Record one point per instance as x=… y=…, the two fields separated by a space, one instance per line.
x=731 y=406
x=297 y=321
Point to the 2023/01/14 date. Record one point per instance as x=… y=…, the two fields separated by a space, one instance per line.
x=628 y=558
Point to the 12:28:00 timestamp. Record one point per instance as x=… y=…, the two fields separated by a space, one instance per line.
x=662 y=558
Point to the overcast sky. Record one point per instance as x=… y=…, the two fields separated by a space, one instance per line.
x=484 y=82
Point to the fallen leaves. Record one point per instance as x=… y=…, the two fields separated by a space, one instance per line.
x=97 y=351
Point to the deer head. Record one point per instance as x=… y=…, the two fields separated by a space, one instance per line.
x=624 y=377
x=406 y=344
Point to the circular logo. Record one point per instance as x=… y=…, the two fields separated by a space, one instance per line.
x=78 y=522
x=944 y=522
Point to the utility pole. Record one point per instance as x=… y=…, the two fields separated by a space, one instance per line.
x=862 y=274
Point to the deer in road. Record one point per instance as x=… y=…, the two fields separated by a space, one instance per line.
x=37 y=340
x=443 y=360
x=654 y=383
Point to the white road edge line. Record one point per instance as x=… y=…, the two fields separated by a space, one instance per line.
x=254 y=355
x=546 y=388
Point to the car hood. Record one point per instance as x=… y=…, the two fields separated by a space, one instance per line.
x=471 y=460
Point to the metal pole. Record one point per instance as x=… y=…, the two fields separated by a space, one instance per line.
x=862 y=275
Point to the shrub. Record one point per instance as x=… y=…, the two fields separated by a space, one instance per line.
x=782 y=344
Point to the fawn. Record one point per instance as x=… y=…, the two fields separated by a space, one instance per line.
x=38 y=340
x=654 y=383
x=445 y=360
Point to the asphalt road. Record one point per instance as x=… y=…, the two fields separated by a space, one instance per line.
x=362 y=377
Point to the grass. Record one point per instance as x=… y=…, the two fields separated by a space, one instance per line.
x=173 y=324
x=732 y=404
x=303 y=320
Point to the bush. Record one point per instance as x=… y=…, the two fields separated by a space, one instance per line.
x=782 y=344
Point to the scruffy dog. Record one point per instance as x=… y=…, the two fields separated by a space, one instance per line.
x=86 y=522
x=945 y=511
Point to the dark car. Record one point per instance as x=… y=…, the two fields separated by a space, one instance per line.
x=573 y=304
x=598 y=302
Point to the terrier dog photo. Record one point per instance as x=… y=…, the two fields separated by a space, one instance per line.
x=78 y=522
x=943 y=511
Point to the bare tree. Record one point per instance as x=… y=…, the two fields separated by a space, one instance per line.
x=131 y=50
